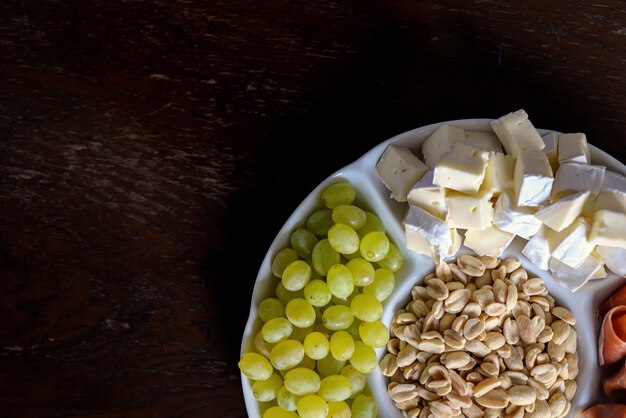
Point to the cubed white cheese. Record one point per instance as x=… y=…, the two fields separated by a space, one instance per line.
x=490 y=241
x=533 y=178
x=457 y=241
x=435 y=231
x=539 y=248
x=608 y=229
x=469 y=211
x=611 y=201
x=518 y=220
x=573 y=247
x=415 y=241
x=573 y=148
x=613 y=182
x=517 y=133
x=576 y=177
x=486 y=141
x=551 y=141
x=614 y=258
x=399 y=169
x=461 y=169
x=440 y=142
x=560 y=214
x=429 y=196
x=499 y=173
x=575 y=278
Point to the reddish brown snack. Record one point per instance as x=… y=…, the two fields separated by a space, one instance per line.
x=616 y=299
x=616 y=382
x=607 y=410
x=613 y=337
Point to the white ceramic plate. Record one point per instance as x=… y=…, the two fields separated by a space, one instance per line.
x=371 y=193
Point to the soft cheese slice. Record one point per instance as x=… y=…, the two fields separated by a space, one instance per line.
x=399 y=169
x=461 y=169
x=499 y=173
x=613 y=182
x=429 y=196
x=575 y=278
x=440 y=142
x=469 y=211
x=486 y=141
x=576 y=177
x=573 y=247
x=560 y=214
x=573 y=148
x=518 y=220
x=551 y=141
x=614 y=258
x=435 y=231
x=517 y=133
x=608 y=229
x=415 y=241
x=533 y=178
x=612 y=194
x=457 y=241
x=490 y=241
x=539 y=248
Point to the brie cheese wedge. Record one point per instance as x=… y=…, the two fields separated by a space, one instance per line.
x=429 y=196
x=614 y=258
x=399 y=169
x=575 y=278
x=440 y=142
x=608 y=229
x=573 y=148
x=551 y=141
x=560 y=214
x=612 y=194
x=533 y=178
x=490 y=241
x=434 y=231
x=576 y=177
x=518 y=220
x=572 y=247
x=539 y=248
x=469 y=211
x=517 y=133
x=499 y=173
x=461 y=169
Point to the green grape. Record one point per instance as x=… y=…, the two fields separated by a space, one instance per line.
x=286 y=399
x=364 y=357
x=329 y=366
x=302 y=240
x=299 y=334
x=339 y=410
x=375 y=334
x=302 y=381
x=356 y=378
x=316 y=345
x=338 y=194
x=341 y=345
x=324 y=257
x=285 y=295
x=366 y=308
x=337 y=317
x=278 y=412
x=261 y=346
x=363 y=406
x=372 y=223
x=312 y=406
x=296 y=275
x=349 y=215
x=287 y=354
x=374 y=246
x=271 y=308
x=394 y=259
x=266 y=390
x=320 y=221
x=340 y=281
x=300 y=313
x=353 y=330
x=282 y=259
x=276 y=330
x=383 y=284
x=317 y=293
x=335 y=388
x=255 y=366
x=362 y=271
x=343 y=239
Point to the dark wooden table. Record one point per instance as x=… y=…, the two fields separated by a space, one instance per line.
x=150 y=150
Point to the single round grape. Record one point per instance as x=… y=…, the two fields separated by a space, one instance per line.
x=394 y=260
x=383 y=284
x=278 y=412
x=302 y=240
x=335 y=388
x=338 y=194
x=299 y=334
x=363 y=406
x=375 y=334
x=276 y=330
x=255 y=366
x=374 y=246
x=266 y=390
x=282 y=259
x=296 y=275
x=356 y=378
x=337 y=317
x=316 y=345
x=343 y=239
x=340 y=281
x=287 y=354
x=364 y=357
x=353 y=330
x=366 y=308
x=329 y=366
x=324 y=257
x=302 y=381
x=286 y=399
x=285 y=295
x=300 y=313
x=312 y=406
x=261 y=346
x=341 y=345
x=372 y=223
x=271 y=308
x=320 y=221
x=317 y=293
x=350 y=215
x=339 y=410
x=362 y=271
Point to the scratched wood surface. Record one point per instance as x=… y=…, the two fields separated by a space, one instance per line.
x=150 y=150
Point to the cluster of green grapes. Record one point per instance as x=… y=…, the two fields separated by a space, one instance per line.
x=319 y=332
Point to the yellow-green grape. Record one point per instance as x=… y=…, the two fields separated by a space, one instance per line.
x=362 y=271
x=302 y=381
x=339 y=410
x=287 y=354
x=300 y=313
x=366 y=308
x=350 y=215
x=299 y=334
x=317 y=293
x=282 y=259
x=337 y=317
x=353 y=330
x=340 y=281
x=276 y=330
x=341 y=345
x=312 y=406
x=316 y=345
x=302 y=241
x=296 y=275
x=394 y=260
x=324 y=257
x=329 y=366
x=266 y=390
x=356 y=378
x=255 y=366
x=363 y=406
x=261 y=346
x=335 y=388
x=374 y=246
x=372 y=223
x=343 y=239
x=338 y=194
x=278 y=412
x=383 y=284
x=375 y=334
x=320 y=221
x=287 y=400
x=285 y=295
x=271 y=308
x=364 y=357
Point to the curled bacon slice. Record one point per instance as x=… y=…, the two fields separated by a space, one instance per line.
x=606 y=410
x=616 y=299
x=613 y=337
x=616 y=382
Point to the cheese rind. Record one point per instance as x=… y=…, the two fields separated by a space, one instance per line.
x=441 y=142
x=560 y=214
x=499 y=173
x=575 y=278
x=428 y=196
x=551 y=141
x=517 y=133
x=572 y=246
x=435 y=231
x=573 y=148
x=614 y=258
x=518 y=220
x=533 y=178
x=613 y=182
x=486 y=141
x=469 y=211
x=399 y=169
x=539 y=248
x=490 y=241
x=461 y=169
x=608 y=229
x=457 y=241
x=416 y=242
x=576 y=177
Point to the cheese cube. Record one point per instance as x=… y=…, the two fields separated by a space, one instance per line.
x=611 y=201
x=575 y=278
x=461 y=169
x=573 y=247
x=486 y=141
x=517 y=133
x=399 y=169
x=613 y=182
x=490 y=241
x=457 y=242
x=499 y=173
x=551 y=141
x=435 y=231
x=539 y=248
x=573 y=148
x=576 y=177
x=608 y=229
x=428 y=196
x=469 y=211
x=560 y=214
x=440 y=142
x=518 y=220
x=533 y=178
x=415 y=241
x=614 y=258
